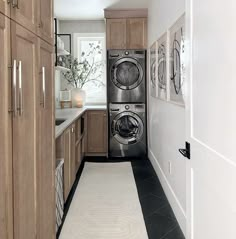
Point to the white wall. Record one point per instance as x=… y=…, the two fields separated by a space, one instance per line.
x=166 y=120
x=82 y=26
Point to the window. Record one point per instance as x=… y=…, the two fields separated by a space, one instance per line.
x=91 y=48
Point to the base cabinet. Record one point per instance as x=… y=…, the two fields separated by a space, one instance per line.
x=97 y=132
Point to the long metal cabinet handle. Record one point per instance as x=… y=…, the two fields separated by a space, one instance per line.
x=44 y=86
x=20 y=89
x=14 y=89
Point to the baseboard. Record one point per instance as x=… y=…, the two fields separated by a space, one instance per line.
x=172 y=198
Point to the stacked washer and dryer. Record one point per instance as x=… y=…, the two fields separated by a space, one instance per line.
x=126 y=92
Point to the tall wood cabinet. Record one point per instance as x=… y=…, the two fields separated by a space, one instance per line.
x=46 y=126
x=6 y=209
x=24 y=131
x=27 y=172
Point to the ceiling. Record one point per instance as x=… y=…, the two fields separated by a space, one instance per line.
x=91 y=9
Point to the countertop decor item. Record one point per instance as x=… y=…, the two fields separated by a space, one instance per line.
x=65 y=98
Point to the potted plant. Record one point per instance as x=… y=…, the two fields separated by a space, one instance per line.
x=88 y=69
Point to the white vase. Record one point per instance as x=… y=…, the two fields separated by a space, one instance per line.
x=78 y=97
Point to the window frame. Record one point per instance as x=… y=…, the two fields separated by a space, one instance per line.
x=77 y=53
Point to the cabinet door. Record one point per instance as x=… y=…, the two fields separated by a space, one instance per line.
x=78 y=156
x=46 y=20
x=25 y=13
x=24 y=53
x=116 y=33
x=137 y=33
x=46 y=156
x=67 y=155
x=97 y=131
x=6 y=218
x=72 y=158
x=5 y=7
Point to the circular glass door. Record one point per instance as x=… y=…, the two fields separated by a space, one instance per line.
x=127 y=128
x=127 y=73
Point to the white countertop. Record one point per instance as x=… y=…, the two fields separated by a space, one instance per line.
x=70 y=115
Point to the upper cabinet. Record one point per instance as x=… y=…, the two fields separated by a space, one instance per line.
x=25 y=13
x=116 y=33
x=5 y=7
x=136 y=33
x=34 y=15
x=126 y=29
x=46 y=20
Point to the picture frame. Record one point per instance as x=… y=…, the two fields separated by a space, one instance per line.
x=153 y=69
x=176 y=48
x=162 y=67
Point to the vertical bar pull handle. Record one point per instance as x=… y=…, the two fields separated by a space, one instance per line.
x=44 y=86
x=14 y=89
x=20 y=89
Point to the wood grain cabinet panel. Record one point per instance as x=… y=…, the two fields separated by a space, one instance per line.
x=116 y=33
x=5 y=7
x=126 y=33
x=45 y=20
x=67 y=156
x=72 y=158
x=6 y=217
x=46 y=157
x=25 y=13
x=25 y=53
x=137 y=33
x=97 y=132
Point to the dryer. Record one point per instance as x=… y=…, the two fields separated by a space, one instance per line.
x=127 y=130
x=126 y=76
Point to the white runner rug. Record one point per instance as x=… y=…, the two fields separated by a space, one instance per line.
x=105 y=205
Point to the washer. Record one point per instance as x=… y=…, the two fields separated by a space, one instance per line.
x=127 y=131
x=126 y=76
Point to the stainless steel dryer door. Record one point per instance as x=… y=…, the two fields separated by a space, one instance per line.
x=127 y=73
x=127 y=128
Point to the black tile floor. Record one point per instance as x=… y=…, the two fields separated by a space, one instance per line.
x=159 y=218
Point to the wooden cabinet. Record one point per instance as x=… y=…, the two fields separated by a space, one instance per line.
x=72 y=156
x=67 y=155
x=6 y=217
x=46 y=163
x=116 y=33
x=5 y=7
x=130 y=33
x=69 y=159
x=46 y=20
x=27 y=158
x=25 y=12
x=136 y=33
x=97 y=132
x=25 y=72
x=34 y=15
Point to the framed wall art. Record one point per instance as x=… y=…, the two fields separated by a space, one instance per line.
x=153 y=69
x=177 y=62
x=162 y=67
